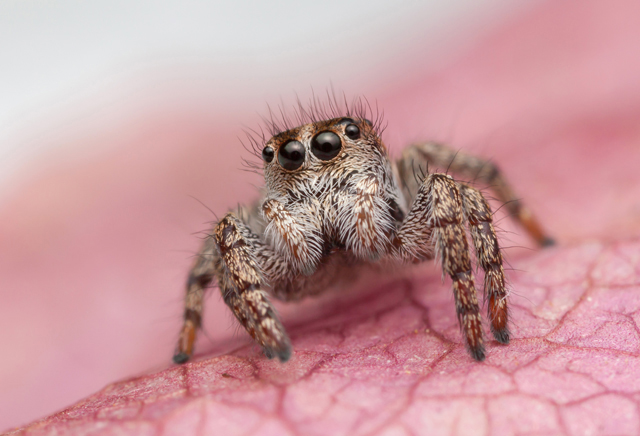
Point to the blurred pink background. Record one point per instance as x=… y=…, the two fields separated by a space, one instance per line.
x=96 y=214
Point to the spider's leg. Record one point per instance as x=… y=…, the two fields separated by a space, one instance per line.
x=436 y=219
x=200 y=276
x=240 y=279
x=479 y=216
x=241 y=285
x=472 y=168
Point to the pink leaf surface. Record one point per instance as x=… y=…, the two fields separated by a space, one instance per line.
x=553 y=98
x=388 y=360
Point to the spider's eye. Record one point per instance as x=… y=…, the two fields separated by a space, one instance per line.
x=326 y=145
x=267 y=154
x=291 y=155
x=352 y=131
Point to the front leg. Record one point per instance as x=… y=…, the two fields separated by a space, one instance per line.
x=231 y=254
x=240 y=280
x=436 y=219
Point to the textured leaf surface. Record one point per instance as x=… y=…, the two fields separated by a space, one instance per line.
x=389 y=361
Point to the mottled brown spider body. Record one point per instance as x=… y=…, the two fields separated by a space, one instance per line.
x=333 y=200
x=344 y=201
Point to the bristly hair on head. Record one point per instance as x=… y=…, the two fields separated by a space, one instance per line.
x=316 y=110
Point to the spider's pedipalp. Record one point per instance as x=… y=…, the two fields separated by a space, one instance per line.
x=298 y=240
x=363 y=220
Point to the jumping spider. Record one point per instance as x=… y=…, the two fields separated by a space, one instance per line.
x=333 y=199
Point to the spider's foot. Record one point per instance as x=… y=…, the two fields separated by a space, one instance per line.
x=477 y=352
x=501 y=335
x=548 y=242
x=180 y=358
x=283 y=354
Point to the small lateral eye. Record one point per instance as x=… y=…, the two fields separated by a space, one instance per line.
x=326 y=145
x=352 y=131
x=291 y=155
x=267 y=154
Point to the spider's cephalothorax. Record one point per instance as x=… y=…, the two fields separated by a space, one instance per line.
x=333 y=199
x=330 y=185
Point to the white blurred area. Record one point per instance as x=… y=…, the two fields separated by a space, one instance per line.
x=69 y=64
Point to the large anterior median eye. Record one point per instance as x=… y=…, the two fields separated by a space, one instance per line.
x=326 y=145
x=291 y=155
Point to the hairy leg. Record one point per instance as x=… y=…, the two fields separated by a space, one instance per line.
x=200 y=276
x=479 y=216
x=240 y=277
x=445 y=157
x=436 y=218
x=240 y=281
